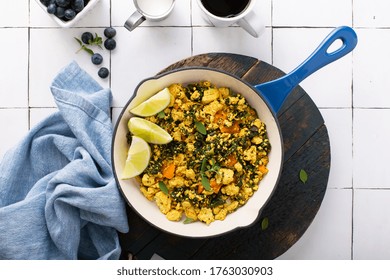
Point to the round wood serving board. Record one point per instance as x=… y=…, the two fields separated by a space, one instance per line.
x=294 y=204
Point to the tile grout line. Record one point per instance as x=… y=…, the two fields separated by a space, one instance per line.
x=110 y=64
x=192 y=28
x=352 y=140
x=28 y=66
x=352 y=155
x=352 y=224
x=110 y=67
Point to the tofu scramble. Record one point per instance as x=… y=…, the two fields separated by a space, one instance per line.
x=218 y=155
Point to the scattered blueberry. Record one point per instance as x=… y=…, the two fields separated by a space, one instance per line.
x=109 y=32
x=110 y=44
x=103 y=72
x=51 y=9
x=78 y=5
x=60 y=12
x=88 y=41
x=86 y=37
x=97 y=59
x=70 y=14
x=45 y=2
x=63 y=3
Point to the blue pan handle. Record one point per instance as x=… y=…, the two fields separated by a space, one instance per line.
x=275 y=92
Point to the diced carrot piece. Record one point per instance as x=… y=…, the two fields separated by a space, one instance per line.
x=168 y=170
x=263 y=169
x=231 y=160
x=215 y=186
x=219 y=117
x=200 y=189
x=235 y=128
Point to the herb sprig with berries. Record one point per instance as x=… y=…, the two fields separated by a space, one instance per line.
x=88 y=41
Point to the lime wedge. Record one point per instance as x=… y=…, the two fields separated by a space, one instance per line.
x=153 y=105
x=148 y=131
x=138 y=158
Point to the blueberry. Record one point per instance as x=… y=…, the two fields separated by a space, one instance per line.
x=86 y=37
x=97 y=59
x=63 y=3
x=103 y=72
x=78 y=5
x=109 y=32
x=70 y=14
x=60 y=12
x=51 y=9
x=45 y=2
x=110 y=44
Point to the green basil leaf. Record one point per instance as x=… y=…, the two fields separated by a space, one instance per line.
x=303 y=176
x=200 y=128
x=203 y=166
x=206 y=183
x=214 y=166
x=161 y=115
x=188 y=221
x=163 y=187
x=264 y=223
x=216 y=202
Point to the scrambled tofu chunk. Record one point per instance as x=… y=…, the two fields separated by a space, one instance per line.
x=231 y=190
x=232 y=206
x=224 y=92
x=212 y=108
x=176 y=182
x=195 y=95
x=190 y=174
x=189 y=210
x=163 y=202
x=210 y=95
x=221 y=215
x=174 y=215
x=148 y=180
x=206 y=215
x=251 y=154
x=149 y=192
x=177 y=115
x=225 y=176
x=238 y=167
x=247 y=192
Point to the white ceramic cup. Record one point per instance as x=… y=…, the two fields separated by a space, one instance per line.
x=247 y=19
x=151 y=10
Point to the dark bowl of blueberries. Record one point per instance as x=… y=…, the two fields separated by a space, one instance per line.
x=67 y=12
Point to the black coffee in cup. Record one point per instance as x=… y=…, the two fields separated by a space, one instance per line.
x=225 y=8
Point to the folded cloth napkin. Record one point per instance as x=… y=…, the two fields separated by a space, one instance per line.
x=58 y=196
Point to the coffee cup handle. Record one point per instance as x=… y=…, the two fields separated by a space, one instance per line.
x=252 y=24
x=134 y=20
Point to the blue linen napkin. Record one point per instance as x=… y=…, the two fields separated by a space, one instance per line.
x=58 y=196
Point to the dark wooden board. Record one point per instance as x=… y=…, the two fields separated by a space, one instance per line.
x=294 y=204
